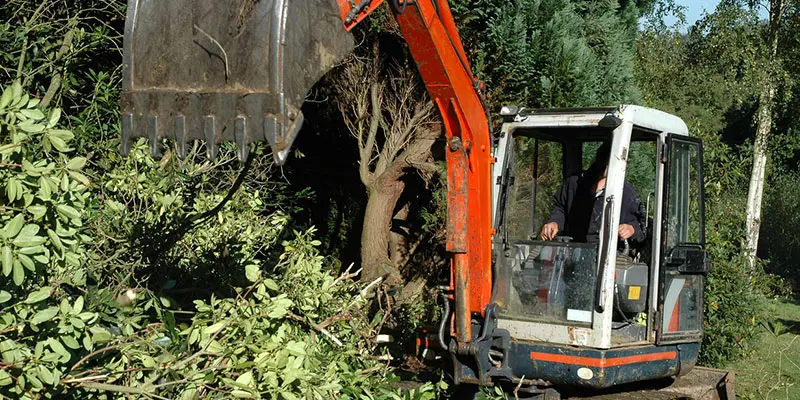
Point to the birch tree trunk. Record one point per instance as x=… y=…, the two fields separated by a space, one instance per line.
x=756 y=192
x=763 y=131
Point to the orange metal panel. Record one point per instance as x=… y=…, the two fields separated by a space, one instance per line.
x=602 y=362
x=451 y=85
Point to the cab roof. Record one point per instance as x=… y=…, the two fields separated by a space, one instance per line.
x=642 y=117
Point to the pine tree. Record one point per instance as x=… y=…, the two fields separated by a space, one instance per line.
x=552 y=53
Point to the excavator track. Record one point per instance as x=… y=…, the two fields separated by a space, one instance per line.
x=699 y=384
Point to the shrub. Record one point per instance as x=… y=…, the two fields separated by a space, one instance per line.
x=47 y=319
x=121 y=287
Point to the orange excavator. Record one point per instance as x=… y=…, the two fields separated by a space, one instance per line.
x=545 y=316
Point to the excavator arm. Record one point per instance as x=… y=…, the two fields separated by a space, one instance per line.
x=239 y=70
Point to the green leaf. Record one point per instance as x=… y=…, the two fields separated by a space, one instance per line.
x=45 y=188
x=45 y=375
x=28 y=241
x=99 y=335
x=288 y=396
x=55 y=240
x=71 y=342
x=5 y=378
x=77 y=308
x=55 y=115
x=32 y=250
x=27 y=262
x=16 y=89
x=4 y=296
x=44 y=315
x=76 y=163
x=33 y=103
x=252 y=272
x=209 y=330
x=8 y=260
x=215 y=347
x=67 y=212
x=62 y=134
x=37 y=296
x=5 y=99
x=240 y=393
x=281 y=307
x=245 y=379
x=59 y=348
x=19 y=273
x=83 y=179
x=57 y=142
x=32 y=114
x=11 y=189
x=37 y=210
x=296 y=348
x=270 y=284
x=13 y=227
x=28 y=231
x=31 y=127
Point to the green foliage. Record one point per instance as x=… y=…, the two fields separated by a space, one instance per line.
x=705 y=77
x=296 y=336
x=552 y=53
x=780 y=240
x=294 y=331
x=144 y=278
x=45 y=320
x=491 y=393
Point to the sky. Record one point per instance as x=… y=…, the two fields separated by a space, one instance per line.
x=696 y=8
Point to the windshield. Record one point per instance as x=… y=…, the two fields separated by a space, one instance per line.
x=550 y=282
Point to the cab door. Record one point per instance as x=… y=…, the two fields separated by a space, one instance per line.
x=684 y=260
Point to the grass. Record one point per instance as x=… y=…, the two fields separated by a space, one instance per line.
x=773 y=370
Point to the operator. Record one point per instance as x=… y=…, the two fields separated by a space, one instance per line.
x=578 y=207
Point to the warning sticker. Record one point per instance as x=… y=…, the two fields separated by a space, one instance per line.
x=634 y=292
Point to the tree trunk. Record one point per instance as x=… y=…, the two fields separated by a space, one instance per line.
x=382 y=198
x=764 y=121
x=756 y=192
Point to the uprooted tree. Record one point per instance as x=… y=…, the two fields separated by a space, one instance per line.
x=386 y=108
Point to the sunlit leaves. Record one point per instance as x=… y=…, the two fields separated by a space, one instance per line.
x=43 y=199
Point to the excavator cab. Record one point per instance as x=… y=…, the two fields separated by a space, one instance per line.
x=595 y=311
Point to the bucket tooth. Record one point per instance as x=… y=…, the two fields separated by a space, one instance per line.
x=152 y=134
x=240 y=136
x=180 y=136
x=210 y=132
x=127 y=130
x=281 y=152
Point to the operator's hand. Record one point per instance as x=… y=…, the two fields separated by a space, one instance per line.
x=626 y=231
x=549 y=231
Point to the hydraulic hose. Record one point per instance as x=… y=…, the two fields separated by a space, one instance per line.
x=445 y=316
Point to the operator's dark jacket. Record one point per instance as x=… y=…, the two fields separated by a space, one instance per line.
x=579 y=211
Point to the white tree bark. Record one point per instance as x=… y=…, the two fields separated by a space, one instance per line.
x=756 y=192
x=764 y=120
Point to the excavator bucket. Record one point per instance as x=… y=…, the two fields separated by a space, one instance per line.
x=225 y=70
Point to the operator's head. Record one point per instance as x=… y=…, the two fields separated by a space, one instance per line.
x=599 y=166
